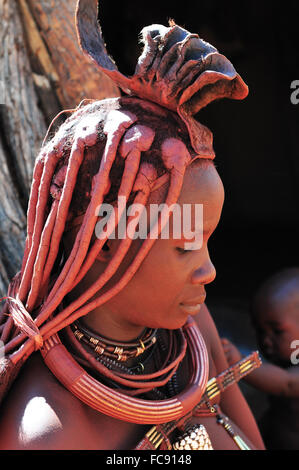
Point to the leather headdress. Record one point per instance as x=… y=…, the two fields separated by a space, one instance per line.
x=176 y=70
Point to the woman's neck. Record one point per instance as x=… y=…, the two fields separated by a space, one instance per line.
x=107 y=326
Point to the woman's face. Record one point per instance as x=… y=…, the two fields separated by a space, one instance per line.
x=170 y=283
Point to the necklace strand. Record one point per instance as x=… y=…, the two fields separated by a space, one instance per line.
x=114 y=349
x=117 y=403
x=139 y=383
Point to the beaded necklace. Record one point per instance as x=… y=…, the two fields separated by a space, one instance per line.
x=151 y=355
x=122 y=403
x=166 y=354
x=114 y=349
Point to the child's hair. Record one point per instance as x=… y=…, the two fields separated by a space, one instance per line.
x=279 y=287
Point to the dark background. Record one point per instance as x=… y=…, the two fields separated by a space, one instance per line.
x=256 y=140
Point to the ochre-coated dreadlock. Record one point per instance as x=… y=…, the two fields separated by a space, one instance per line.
x=58 y=193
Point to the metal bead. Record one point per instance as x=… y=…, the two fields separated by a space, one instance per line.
x=139 y=351
x=99 y=349
x=78 y=334
x=93 y=340
x=118 y=350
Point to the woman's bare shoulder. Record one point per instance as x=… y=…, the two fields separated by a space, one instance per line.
x=39 y=413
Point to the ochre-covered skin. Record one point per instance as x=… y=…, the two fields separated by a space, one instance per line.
x=143 y=147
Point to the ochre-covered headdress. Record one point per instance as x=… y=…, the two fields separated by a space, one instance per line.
x=176 y=70
x=127 y=146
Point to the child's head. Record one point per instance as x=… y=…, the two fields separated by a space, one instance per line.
x=275 y=315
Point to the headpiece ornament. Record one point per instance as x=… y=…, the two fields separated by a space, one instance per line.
x=176 y=70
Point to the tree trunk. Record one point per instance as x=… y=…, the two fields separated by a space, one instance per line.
x=42 y=71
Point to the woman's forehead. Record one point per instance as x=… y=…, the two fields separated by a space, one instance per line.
x=197 y=211
x=201 y=183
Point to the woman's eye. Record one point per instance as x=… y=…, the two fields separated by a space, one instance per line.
x=182 y=251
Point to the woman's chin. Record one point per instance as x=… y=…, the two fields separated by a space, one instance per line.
x=171 y=320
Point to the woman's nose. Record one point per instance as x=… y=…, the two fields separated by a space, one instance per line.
x=204 y=274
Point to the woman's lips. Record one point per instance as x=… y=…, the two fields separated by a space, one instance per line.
x=190 y=309
x=192 y=306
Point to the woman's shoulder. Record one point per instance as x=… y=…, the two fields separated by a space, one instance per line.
x=38 y=412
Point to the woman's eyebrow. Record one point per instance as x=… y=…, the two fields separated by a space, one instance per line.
x=196 y=234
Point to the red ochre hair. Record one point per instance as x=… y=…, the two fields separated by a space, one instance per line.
x=116 y=147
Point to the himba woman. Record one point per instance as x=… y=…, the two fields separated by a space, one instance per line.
x=112 y=343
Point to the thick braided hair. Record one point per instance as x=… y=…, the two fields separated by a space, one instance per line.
x=127 y=147
x=120 y=147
